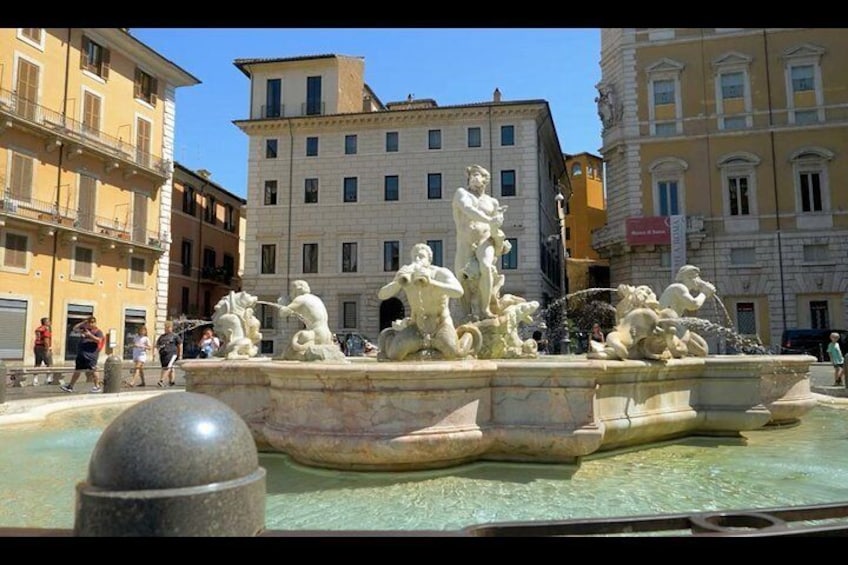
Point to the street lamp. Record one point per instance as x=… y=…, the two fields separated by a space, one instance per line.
x=562 y=201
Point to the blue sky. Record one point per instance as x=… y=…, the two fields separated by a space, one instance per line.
x=451 y=66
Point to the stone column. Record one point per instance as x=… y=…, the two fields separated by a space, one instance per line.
x=112 y=374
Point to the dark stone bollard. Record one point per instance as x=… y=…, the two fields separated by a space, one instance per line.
x=180 y=464
x=112 y=374
x=2 y=382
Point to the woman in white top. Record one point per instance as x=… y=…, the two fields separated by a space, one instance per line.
x=209 y=344
x=141 y=345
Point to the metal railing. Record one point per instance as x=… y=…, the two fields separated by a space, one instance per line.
x=73 y=130
x=272 y=111
x=44 y=212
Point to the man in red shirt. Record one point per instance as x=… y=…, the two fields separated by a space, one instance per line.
x=42 y=347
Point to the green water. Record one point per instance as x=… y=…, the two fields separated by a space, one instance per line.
x=804 y=464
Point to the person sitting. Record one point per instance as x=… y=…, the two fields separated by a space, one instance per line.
x=208 y=344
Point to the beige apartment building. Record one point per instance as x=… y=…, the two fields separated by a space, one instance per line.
x=586 y=213
x=206 y=244
x=341 y=186
x=742 y=132
x=86 y=145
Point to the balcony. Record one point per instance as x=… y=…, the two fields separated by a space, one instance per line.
x=76 y=137
x=219 y=274
x=279 y=110
x=274 y=111
x=45 y=214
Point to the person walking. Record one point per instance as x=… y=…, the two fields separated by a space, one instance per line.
x=170 y=346
x=88 y=351
x=836 y=358
x=141 y=345
x=42 y=348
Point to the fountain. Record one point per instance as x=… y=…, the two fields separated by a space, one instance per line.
x=441 y=394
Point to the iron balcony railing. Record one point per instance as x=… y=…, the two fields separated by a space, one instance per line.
x=43 y=212
x=279 y=110
x=273 y=111
x=73 y=130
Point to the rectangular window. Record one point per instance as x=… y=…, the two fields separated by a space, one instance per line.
x=391 y=255
x=434 y=139
x=738 y=188
x=310 y=191
x=270 y=148
x=732 y=85
x=186 y=258
x=267 y=316
x=229 y=265
x=86 y=201
x=75 y=314
x=819 y=315
x=434 y=186
x=802 y=78
x=734 y=122
x=20 y=178
x=508 y=183
x=391 y=142
x=273 y=98
x=133 y=320
x=350 y=189
x=145 y=86
x=349 y=257
x=184 y=299
x=665 y=129
x=270 y=193
x=311 y=146
x=438 y=253
x=230 y=218
x=510 y=260
x=95 y=58
x=15 y=251
x=668 y=198
x=811 y=197
x=313 y=96
x=663 y=92
x=26 y=86
x=391 y=187
x=189 y=200
x=350 y=144
x=507 y=135
x=746 y=319
x=91 y=113
x=816 y=253
x=349 y=315
x=83 y=262
x=143 y=141
x=137 y=271
x=32 y=33
x=269 y=259
x=743 y=256
x=310 y=257
x=474 y=137
x=210 y=212
x=210 y=257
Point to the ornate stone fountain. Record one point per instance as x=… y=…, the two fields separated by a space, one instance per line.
x=442 y=394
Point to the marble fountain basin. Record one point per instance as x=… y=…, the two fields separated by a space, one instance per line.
x=401 y=416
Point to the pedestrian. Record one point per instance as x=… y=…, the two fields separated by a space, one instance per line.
x=209 y=344
x=597 y=334
x=836 y=358
x=141 y=345
x=541 y=342
x=170 y=346
x=42 y=348
x=91 y=343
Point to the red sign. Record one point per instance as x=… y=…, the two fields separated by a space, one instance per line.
x=651 y=230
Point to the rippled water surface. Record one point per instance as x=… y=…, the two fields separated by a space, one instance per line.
x=805 y=464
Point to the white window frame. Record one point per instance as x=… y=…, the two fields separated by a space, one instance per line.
x=800 y=55
x=9 y=269
x=151 y=122
x=73 y=271
x=143 y=283
x=667 y=169
x=28 y=41
x=729 y=63
x=814 y=160
x=740 y=164
x=665 y=69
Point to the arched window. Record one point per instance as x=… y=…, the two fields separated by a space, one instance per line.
x=667 y=175
x=576 y=170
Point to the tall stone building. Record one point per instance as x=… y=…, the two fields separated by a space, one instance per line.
x=341 y=186
x=743 y=133
x=86 y=149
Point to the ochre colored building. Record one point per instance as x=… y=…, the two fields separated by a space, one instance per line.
x=86 y=141
x=742 y=132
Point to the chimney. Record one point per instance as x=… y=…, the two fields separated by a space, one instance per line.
x=497 y=95
x=204 y=173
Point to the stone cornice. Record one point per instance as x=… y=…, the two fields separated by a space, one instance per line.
x=532 y=109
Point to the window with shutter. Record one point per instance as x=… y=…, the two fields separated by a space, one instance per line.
x=20 y=179
x=91 y=113
x=15 y=251
x=13 y=325
x=83 y=263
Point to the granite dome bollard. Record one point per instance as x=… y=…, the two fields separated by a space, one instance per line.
x=179 y=464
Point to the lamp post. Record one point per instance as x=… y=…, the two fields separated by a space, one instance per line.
x=562 y=201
